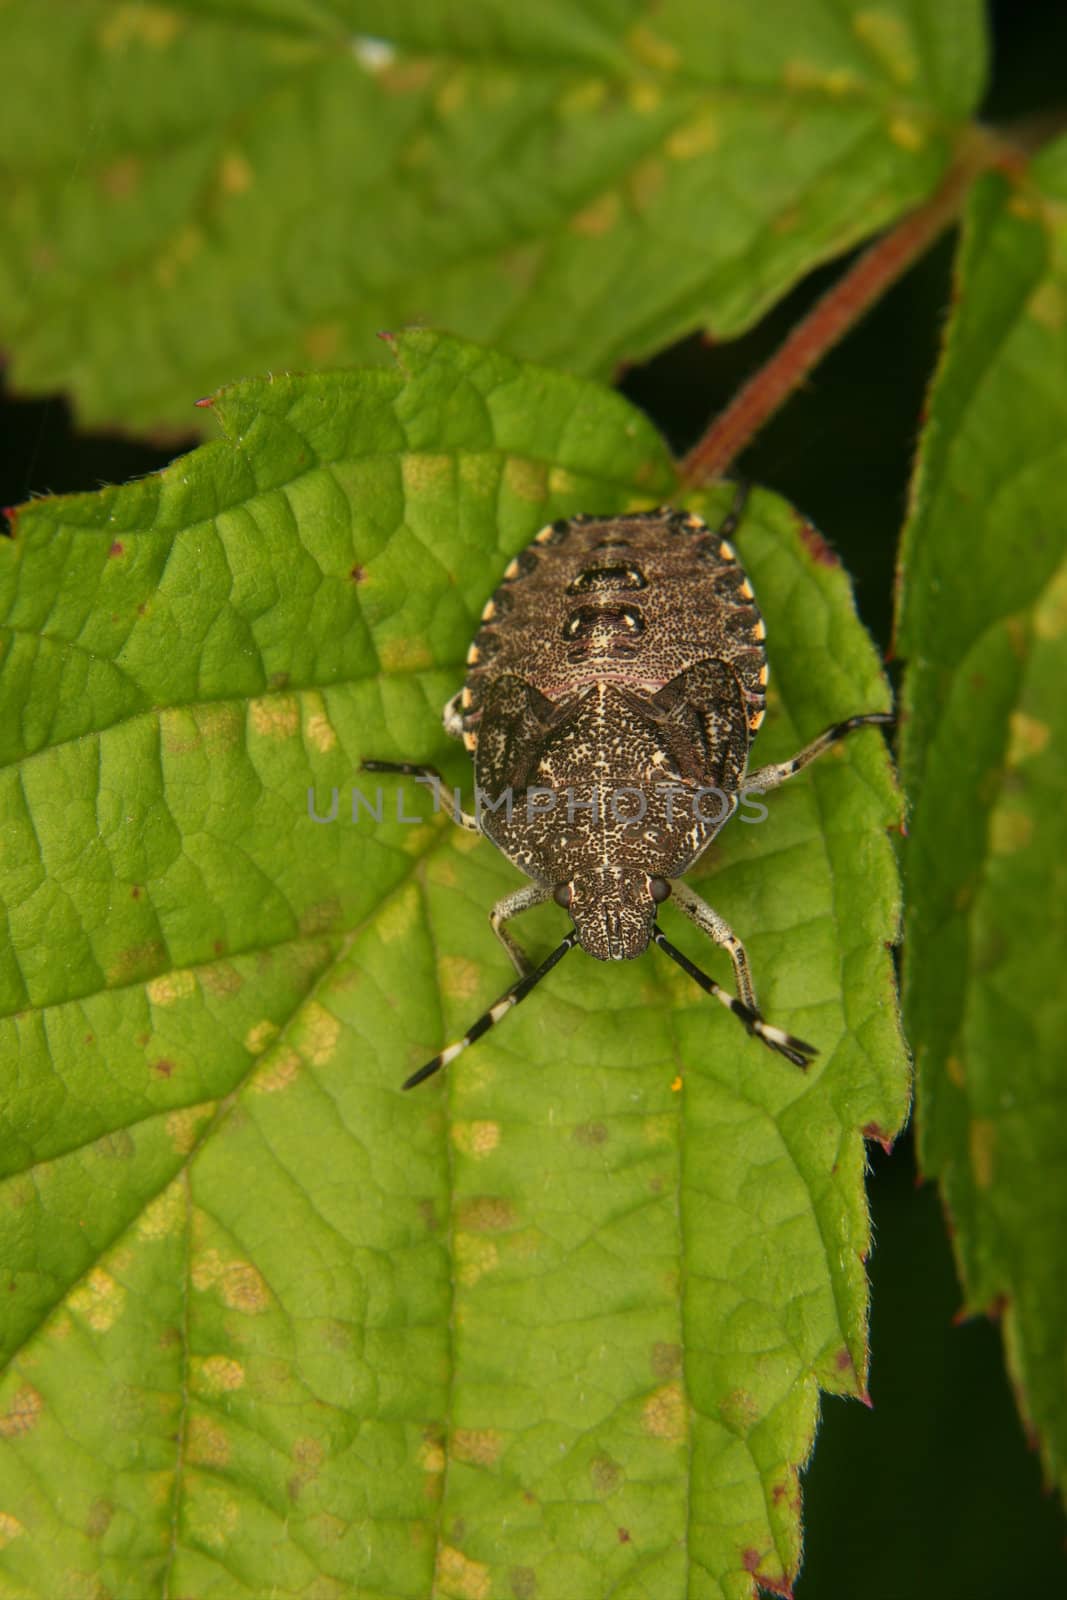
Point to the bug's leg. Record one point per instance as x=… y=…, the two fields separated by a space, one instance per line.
x=770 y=777
x=794 y=1050
x=442 y=795
x=732 y=519
x=717 y=928
x=511 y=997
x=533 y=894
x=452 y=716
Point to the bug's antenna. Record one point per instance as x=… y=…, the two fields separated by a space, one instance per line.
x=794 y=1050
x=511 y=997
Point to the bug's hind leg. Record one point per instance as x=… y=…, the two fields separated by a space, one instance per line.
x=744 y=1007
x=770 y=777
x=533 y=894
x=443 y=797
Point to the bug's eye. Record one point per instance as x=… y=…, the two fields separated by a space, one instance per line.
x=561 y=894
x=659 y=889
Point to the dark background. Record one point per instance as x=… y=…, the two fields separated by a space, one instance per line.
x=934 y=1494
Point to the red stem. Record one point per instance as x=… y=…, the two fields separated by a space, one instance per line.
x=840 y=309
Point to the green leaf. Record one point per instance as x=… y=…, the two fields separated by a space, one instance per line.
x=201 y=191
x=555 y=1324
x=983 y=616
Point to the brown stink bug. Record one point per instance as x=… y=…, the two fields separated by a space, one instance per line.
x=613 y=691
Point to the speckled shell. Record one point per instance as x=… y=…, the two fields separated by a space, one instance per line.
x=618 y=653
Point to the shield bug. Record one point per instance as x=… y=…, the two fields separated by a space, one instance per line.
x=613 y=692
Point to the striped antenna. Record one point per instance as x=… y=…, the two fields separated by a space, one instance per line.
x=794 y=1050
x=517 y=992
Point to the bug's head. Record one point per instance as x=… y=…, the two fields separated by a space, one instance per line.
x=614 y=909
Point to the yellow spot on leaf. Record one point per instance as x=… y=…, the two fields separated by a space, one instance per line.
x=458 y=978
x=487 y=1213
x=1026 y=737
x=474 y=1257
x=982 y=1138
x=323 y=341
x=644 y=96
x=185 y=246
x=561 y=481
x=676 y=1084
x=526 y=479
x=171 y=986
x=404 y=655
x=235 y=174
x=417 y=840
x=1050 y=614
x=211 y=1516
x=320 y=732
x=664 y=1414
x=645 y=183
x=122 y=178
x=409 y=76
x=694 y=138
x=275 y=716
x=476 y=1139
x=425 y=473
x=140 y=24
x=666 y=1359
x=804 y=76
x=183 y=1127
x=441 y=871
x=221 y=1375
x=221 y=978
x=480 y=1446
x=309 y=1454
x=599 y=217
x=10 y=1528
x=739 y=1411
x=165 y=1214
x=318 y=1034
x=887 y=38
x=660 y=1129
x=22 y=1414
x=259 y=1036
x=396 y=919
x=956 y=1074
x=451 y=94
x=1009 y=831
x=907 y=133
x=100 y=1300
x=277 y=1073
x=456 y=1576
x=206 y=1444
x=242 y=1288
x=1048 y=306
x=587 y=95
x=320 y=917
x=432 y=1456
x=652 y=51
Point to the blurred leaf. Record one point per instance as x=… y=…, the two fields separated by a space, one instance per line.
x=983 y=616
x=555 y=1324
x=200 y=191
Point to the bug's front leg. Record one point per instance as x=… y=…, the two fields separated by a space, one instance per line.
x=717 y=928
x=745 y=1006
x=524 y=899
x=777 y=772
x=442 y=795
